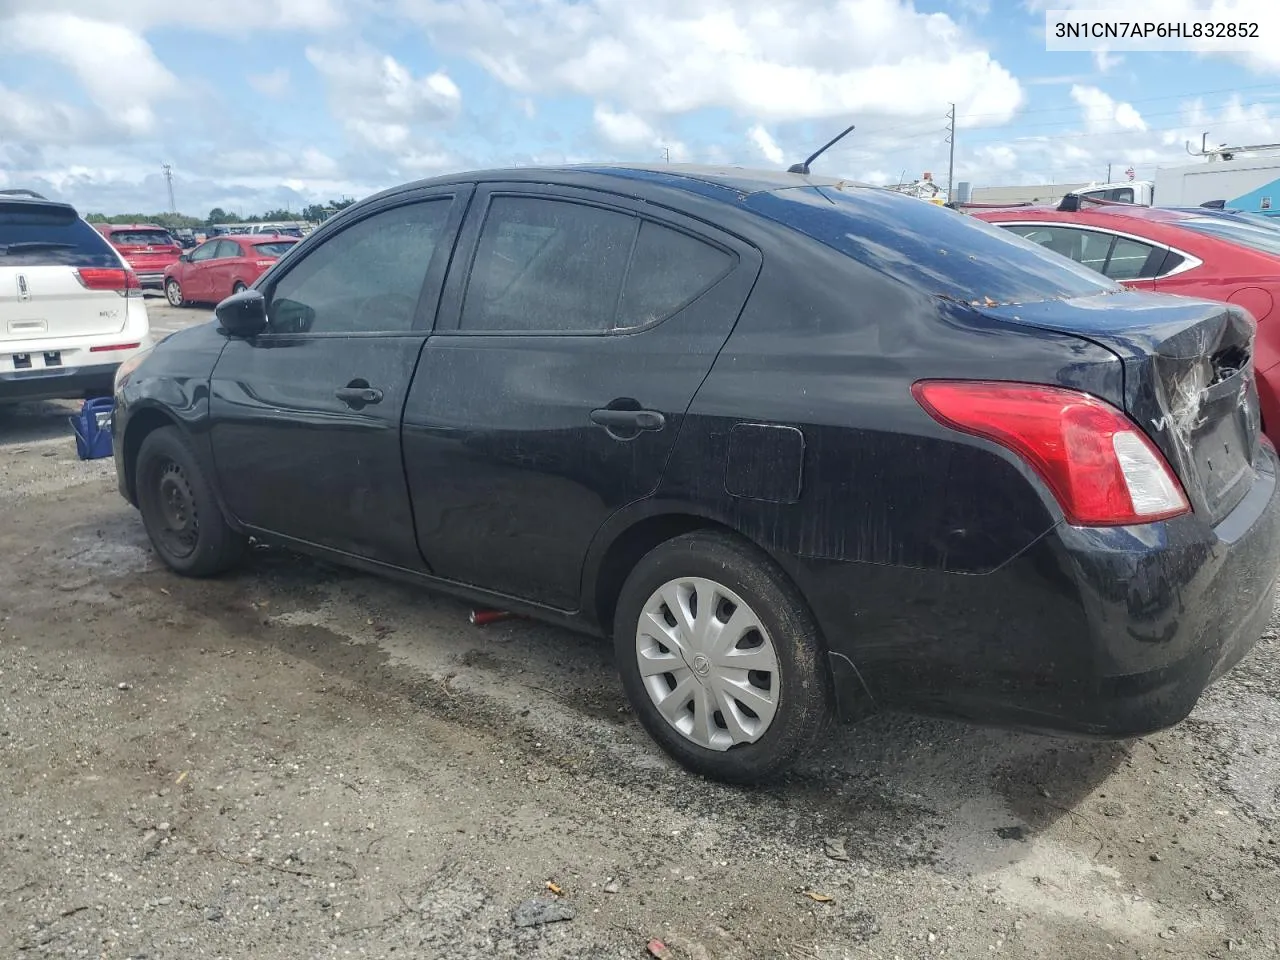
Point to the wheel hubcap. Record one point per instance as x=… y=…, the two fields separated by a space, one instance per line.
x=175 y=293
x=707 y=663
x=178 y=515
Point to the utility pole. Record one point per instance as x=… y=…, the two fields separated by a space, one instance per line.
x=666 y=154
x=168 y=175
x=1108 y=180
x=951 y=162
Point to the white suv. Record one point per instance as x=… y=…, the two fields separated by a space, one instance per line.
x=71 y=309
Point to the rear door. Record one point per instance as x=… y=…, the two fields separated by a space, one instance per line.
x=572 y=338
x=306 y=417
x=58 y=276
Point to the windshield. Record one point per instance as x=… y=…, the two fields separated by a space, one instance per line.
x=141 y=238
x=276 y=249
x=1264 y=239
x=33 y=235
x=947 y=253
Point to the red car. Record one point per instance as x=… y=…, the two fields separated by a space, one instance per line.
x=1172 y=251
x=221 y=266
x=147 y=248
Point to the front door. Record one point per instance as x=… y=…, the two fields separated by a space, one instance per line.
x=571 y=341
x=306 y=417
x=195 y=278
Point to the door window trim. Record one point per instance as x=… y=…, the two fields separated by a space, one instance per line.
x=425 y=314
x=475 y=227
x=1189 y=261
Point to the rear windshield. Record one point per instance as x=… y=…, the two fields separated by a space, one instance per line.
x=141 y=238
x=1262 y=238
x=32 y=235
x=946 y=253
x=276 y=249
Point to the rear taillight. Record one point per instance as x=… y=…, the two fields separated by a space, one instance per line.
x=1100 y=466
x=123 y=282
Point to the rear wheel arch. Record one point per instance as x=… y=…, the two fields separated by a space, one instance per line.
x=640 y=537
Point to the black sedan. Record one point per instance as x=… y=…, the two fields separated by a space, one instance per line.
x=803 y=448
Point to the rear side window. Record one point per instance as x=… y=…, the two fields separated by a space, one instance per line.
x=35 y=235
x=668 y=269
x=141 y=238
x=1120 y=258
x=548 y=266
x=271 y=249
x=939 y=251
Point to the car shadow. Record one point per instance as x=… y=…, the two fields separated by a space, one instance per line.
x=36 y=421
x=897 y=789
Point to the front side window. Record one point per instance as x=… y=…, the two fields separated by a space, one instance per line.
x=365 y=279
x=206 y=251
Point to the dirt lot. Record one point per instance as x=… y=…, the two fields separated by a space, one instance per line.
x=299 y=761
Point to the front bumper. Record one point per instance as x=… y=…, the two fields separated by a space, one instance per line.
x=58 y=383
x=1111 y=632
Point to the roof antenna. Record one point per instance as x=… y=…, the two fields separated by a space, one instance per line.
x=803 y=168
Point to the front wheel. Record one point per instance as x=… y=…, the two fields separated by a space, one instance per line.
x=179 y=510
x=173 y=292
x=721 y=658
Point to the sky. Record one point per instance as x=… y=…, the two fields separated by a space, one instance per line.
x=260 y=104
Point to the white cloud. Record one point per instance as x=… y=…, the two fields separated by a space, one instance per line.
x=765 y=143
x=115 y=65
x=1106 y=61
x=623 y=129
x=224 y=16
x=788 y=60
x=380 y=101
x=274 y=84
x=1103 y=114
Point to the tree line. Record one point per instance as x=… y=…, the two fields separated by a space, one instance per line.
x=313 y=213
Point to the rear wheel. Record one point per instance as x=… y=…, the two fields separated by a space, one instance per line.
x=721 y=658
x=173 y=292
x=239 y=287
x=179 y=511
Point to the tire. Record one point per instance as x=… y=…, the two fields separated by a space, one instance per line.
x=181 y=515
x=741 y=743
x=173 y=293
x=238 y=287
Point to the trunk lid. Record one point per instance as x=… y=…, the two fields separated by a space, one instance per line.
x=147 y=251
x=1188 y=381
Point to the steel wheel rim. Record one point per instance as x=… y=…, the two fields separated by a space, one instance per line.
x=180 y=521
x=173 y=292
x=707 y=663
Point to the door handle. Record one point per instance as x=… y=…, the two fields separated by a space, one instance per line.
x=628 y=419
x=358 y=396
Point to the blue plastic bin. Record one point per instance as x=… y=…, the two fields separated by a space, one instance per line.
x=92 y=426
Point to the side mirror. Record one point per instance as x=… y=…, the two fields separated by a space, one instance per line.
x=185 y=257
x=243 y=314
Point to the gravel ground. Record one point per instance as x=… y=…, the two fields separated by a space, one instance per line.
x=300 y=761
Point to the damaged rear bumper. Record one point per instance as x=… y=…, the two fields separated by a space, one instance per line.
x=1109 y=632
